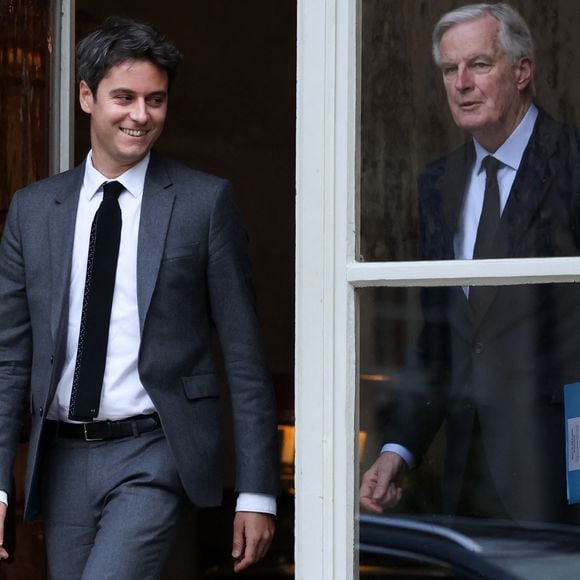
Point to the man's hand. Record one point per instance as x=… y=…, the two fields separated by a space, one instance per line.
x=3 y=552
x=253 y=533
x=381 y=484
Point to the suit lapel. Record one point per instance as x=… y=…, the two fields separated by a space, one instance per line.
x=454 y=184
x=532 y=182
x=157 y=205
x=61 y=228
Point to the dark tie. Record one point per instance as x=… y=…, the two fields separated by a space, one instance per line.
x=490 y=214
x=487 y=228
x=97 y=301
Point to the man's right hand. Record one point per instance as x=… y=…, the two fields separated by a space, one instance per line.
x=3 y=552
x=382 y=484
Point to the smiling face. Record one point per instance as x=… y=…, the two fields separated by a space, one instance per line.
x=127 y=114
x=487 y=94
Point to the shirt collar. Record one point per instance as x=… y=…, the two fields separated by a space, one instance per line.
x=133 y=180
x=512 y=150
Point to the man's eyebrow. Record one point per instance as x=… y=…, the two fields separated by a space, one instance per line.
x=471 y=58
x=121 y=90
x=481 y=55
x=124 y=91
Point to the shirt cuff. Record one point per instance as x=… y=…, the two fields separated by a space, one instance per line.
x=3 y=497
x=401 y=451
x=256 y=502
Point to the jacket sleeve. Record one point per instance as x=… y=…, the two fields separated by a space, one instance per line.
x=233 y=310
x=15 y=342
x=419 y=406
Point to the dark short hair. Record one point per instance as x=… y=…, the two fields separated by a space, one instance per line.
x=119 y=40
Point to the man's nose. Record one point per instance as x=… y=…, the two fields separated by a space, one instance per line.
x=139 y=111
x=463 y=79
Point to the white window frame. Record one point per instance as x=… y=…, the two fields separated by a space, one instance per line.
x=62 y=88
x=327 y=275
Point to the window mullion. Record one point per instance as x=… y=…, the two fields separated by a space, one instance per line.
x=464 y=272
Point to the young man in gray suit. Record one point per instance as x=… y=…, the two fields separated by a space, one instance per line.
x=491 y=362
x=112 y=278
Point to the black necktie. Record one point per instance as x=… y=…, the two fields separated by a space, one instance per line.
x=97 y=301
x=487 y=228
x=490 y=214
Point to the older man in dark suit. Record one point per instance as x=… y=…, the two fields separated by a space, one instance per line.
x=491 y=362
x=112 y=277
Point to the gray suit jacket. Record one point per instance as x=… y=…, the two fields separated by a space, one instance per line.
x=193 y=274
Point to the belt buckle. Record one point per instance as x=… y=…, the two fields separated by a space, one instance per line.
x=87 y=438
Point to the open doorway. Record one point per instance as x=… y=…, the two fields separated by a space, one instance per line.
x=232 y=114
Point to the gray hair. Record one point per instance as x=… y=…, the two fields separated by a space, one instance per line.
x=514 y=35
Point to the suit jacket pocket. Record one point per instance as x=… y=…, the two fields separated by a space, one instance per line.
x=201 y=386
x=182 y=251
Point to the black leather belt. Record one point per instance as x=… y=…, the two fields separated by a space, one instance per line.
x=105 y=430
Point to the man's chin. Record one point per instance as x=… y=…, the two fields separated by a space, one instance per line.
x=468 y=122
x=135 y=155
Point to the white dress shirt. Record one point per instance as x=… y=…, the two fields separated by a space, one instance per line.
x=123 y=394
x=510 y=154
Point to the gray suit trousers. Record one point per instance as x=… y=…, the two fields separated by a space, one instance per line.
x=110 y=508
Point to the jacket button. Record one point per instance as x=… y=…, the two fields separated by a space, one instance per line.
x=41 y=411
x=478 y=347
x=51 y=358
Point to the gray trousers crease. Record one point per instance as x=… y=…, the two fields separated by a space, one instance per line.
x=110 y=508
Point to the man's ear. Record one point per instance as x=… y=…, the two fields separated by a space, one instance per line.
x=524 y=73
x=86 y=99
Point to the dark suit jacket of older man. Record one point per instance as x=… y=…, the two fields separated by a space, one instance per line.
x=505 y=368
x=193 y=274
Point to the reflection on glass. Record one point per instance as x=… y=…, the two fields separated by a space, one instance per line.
x=476 y=399
x=413 y=114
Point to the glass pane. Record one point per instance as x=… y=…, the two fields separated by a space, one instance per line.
x=477 y=400
x=406 y=124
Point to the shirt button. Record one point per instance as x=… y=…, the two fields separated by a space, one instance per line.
x=478 y=347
